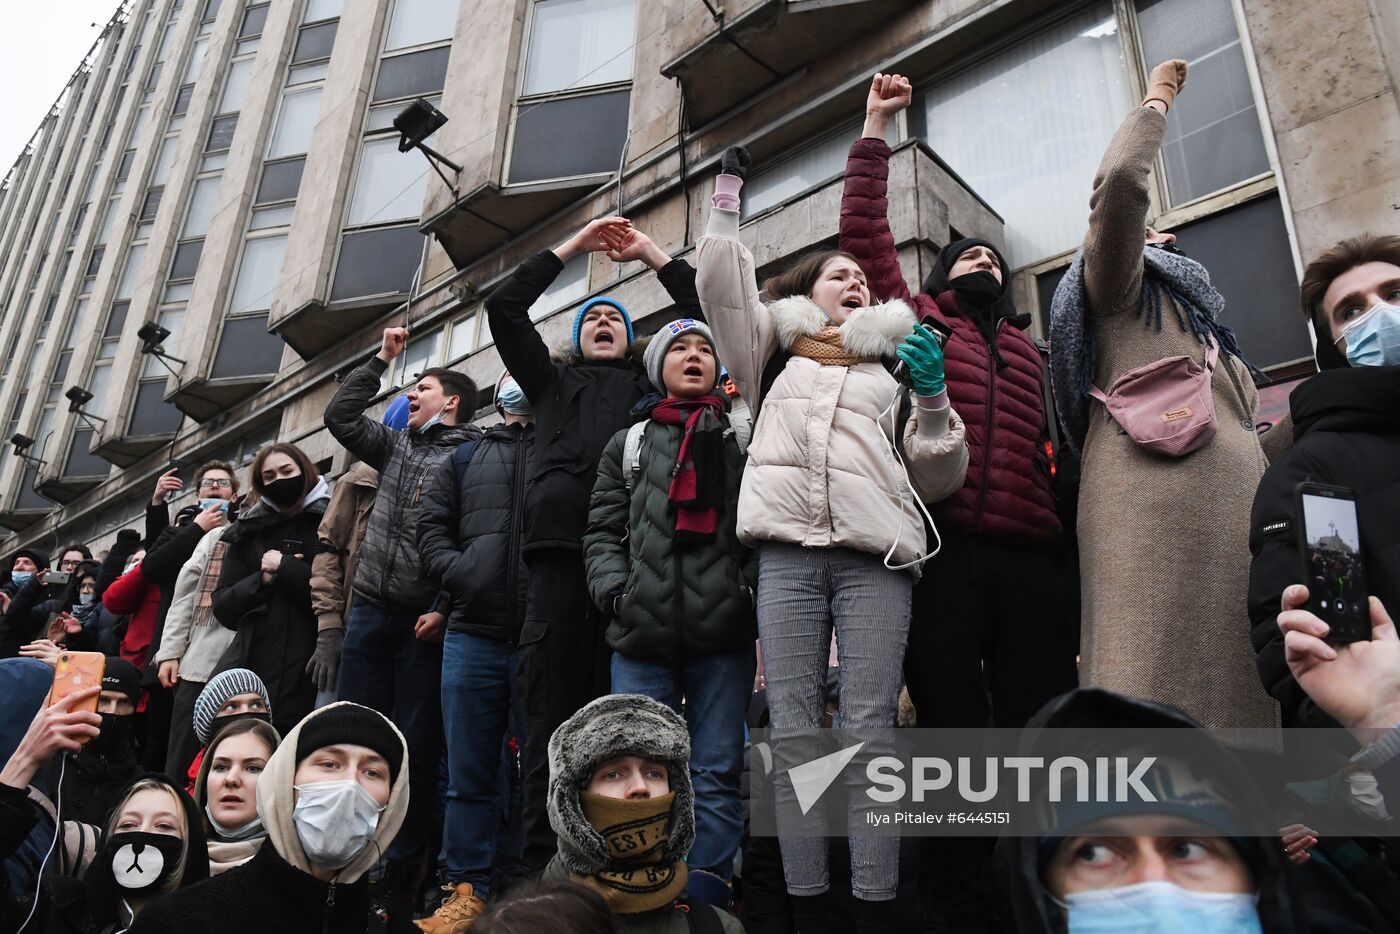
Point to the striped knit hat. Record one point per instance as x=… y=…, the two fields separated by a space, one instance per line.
x=216 y=693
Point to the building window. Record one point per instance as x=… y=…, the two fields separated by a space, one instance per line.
x=112 y=333
x=186 y=261
x=280 y=180
x=257 y=274
x=80 y=462
x=377 y=262
x=1213 y=139
x=127 y=284
x=420 y=354
x=245 y=346
x=314 y=43
x=1031 y=162
x=150 y=413
x=388 y=186
x=568 y=287
x=462 y=340
x=296 y=121
x=571 y=119
x=412 y=75
x=221 y=133
x=254 y=19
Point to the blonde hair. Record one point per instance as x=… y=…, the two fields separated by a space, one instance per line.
x=150 y=784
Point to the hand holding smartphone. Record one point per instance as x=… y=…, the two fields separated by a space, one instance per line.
x=75 y=672
x=1334 y=568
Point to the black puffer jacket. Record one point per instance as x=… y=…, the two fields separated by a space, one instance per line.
x=470 y=534
x=1084 y=709
x=1346 y=427
x=389 y=572
x=274 y=621
x=677 y=600
x=578 y=406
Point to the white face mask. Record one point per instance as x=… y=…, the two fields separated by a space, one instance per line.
x=1162 y=908
x=335 y=821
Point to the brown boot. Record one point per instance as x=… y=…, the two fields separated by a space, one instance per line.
x=456 y=914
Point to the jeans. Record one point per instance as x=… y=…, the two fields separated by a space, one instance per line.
x=385 y=666
x=716 y=690
x=803 y=593
x=478 y=678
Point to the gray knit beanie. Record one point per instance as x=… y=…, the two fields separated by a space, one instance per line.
x=611 y=726
x=216 y=693
x=664 y=338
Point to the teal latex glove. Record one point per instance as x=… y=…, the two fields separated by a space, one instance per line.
x=924 y=358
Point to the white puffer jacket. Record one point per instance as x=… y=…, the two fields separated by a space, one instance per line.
x=822 y=468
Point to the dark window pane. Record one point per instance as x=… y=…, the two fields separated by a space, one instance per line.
x=182 y=99
x=151 y=415
x=154 y=78
x=60 y=370
x=280 y=181
x=221 y=133
x=413 y=74
x=27 y=498
x=1045 y=285
x=124 y=167
x=80 y=463
x=573 y=136
x=377 y=262
x=151 y=205
x=253 y=20
x=186 y=259
x=247 y=349
x=95 y=261
x=1246 y=250
x=116 y=319
x=211 y=10
x=314 y=42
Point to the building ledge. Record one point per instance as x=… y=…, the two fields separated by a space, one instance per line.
x=66 y=489
x=490 y=216
x=203 y=399
x=316 y=327
x=20 y=519
x=125 y=450
x=766 y=44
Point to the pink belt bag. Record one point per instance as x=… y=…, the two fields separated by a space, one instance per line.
x=1166 y=407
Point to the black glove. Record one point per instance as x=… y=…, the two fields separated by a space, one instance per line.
x=325 y=660
x=735 y=161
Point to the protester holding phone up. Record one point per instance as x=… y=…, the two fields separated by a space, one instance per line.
x=1346 y=425
x=264 y=586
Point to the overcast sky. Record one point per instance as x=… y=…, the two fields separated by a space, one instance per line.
x=40 y=47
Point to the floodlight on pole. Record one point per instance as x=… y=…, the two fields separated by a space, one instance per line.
x=416 y=123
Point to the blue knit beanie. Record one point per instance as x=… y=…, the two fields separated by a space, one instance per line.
x=601 y=300
x=396 y=415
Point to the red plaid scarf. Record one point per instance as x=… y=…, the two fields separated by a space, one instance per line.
x=697 y=480
x=204 y=605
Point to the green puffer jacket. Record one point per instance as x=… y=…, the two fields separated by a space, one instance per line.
x=696 y=599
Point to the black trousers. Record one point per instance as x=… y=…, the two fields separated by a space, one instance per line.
x=563 y=665
x=183 y=745
x=994 y=633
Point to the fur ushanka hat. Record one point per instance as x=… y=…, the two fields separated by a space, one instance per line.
x=611 y=726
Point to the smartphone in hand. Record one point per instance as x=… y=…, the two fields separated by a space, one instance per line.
x=74 y=672
x=1334 y=567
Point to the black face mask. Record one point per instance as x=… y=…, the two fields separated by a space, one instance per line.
x=285 y=492
x=976 y=291
x=1168 y=247
x=140 y=861
x=114 y=734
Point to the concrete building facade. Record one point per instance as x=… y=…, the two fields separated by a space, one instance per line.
x=227 y=170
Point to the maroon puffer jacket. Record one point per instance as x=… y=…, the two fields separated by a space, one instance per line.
x=1007 y=492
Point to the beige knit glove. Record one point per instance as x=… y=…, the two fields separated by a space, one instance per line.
x=1166 y=81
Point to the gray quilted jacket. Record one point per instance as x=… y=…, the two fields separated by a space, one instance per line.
x=389 y=571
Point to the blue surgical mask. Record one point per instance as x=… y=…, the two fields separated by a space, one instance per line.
x=435 y=420
x=1162 y=908
x=511 y=398
x=221 y=503
x=21 y=577
x=1373 y=339
x=87 y=599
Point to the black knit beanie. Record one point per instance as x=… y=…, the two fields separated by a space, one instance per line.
x=351 y=724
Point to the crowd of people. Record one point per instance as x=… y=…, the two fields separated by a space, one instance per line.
x=500 y=676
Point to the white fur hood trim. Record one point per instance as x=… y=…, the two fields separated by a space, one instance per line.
x=873 y=331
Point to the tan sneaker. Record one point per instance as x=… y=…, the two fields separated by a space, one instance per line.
x=456 y=914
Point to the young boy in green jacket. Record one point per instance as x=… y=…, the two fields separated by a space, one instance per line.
x=664 y=559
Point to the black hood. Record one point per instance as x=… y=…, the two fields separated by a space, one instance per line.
x=937 y=282
x=1089 y=708
x=1358 y=398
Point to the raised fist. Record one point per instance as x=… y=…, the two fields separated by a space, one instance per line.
x=889 y=94
x=735 y=161
x=1166 y=81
